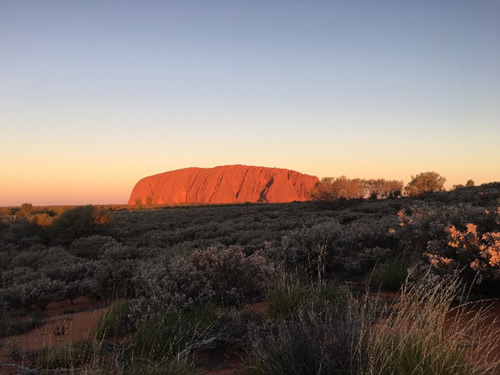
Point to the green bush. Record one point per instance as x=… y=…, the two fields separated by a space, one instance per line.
x=114 y=322
x=79 y=222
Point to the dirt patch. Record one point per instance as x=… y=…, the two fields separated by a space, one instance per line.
x=227 y=362
x=258 y=308
x=60 y=326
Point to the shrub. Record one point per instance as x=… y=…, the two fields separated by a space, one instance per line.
x=113 y=278
x=311 y=342
x=18 y=276
x=39 y=292
x=78 y=222
x=310 y=247
x=42 y=219
x=222 y=276
x=457 y=237
x=476 y=254
x=91 y=247
x=420 y=224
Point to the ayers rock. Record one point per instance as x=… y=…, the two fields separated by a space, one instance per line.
x=225 y=184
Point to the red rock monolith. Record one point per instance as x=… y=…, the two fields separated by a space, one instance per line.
x=224 y=184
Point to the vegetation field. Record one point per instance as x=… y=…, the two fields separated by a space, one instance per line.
x=297 y=288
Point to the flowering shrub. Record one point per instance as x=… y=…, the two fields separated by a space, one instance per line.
x=461 y=237
x=474 y=251
x=421 y=224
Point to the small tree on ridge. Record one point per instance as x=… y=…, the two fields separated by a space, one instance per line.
x=425 y=182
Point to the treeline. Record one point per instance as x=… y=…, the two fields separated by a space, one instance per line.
x=329 y=189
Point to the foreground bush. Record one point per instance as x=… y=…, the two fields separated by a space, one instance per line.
x=223 y=276
x=475 y=252
x=421 y=224
x=313 y=341
x=463 y=237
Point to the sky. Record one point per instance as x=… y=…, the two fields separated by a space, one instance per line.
x=95 y=95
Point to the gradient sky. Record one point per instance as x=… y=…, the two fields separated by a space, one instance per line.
x=95 y=95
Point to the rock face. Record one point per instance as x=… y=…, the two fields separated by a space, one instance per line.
x=225 y=184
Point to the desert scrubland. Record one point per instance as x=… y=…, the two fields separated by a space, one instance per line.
x=400 y=285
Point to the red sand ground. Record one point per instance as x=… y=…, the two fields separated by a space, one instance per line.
x=225 y=184
x=76 y=326
x=79 y=325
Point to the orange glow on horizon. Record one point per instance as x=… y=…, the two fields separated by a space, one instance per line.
x=115 y=188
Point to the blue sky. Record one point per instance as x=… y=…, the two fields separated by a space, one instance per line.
x=97 y=94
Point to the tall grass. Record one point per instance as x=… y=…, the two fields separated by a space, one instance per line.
x=425 y=333
x=166 y=335
x=422 y=332
x=113 y=322
x=69 y=356
x=289 y=291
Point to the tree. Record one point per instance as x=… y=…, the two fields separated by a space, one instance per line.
x=381 y=188
x=425 y=182
x=27 y=209
x=138 y=203
x=330 y=189
x=470 y=183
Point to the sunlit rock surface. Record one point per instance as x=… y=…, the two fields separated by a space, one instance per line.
x=224 y=184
